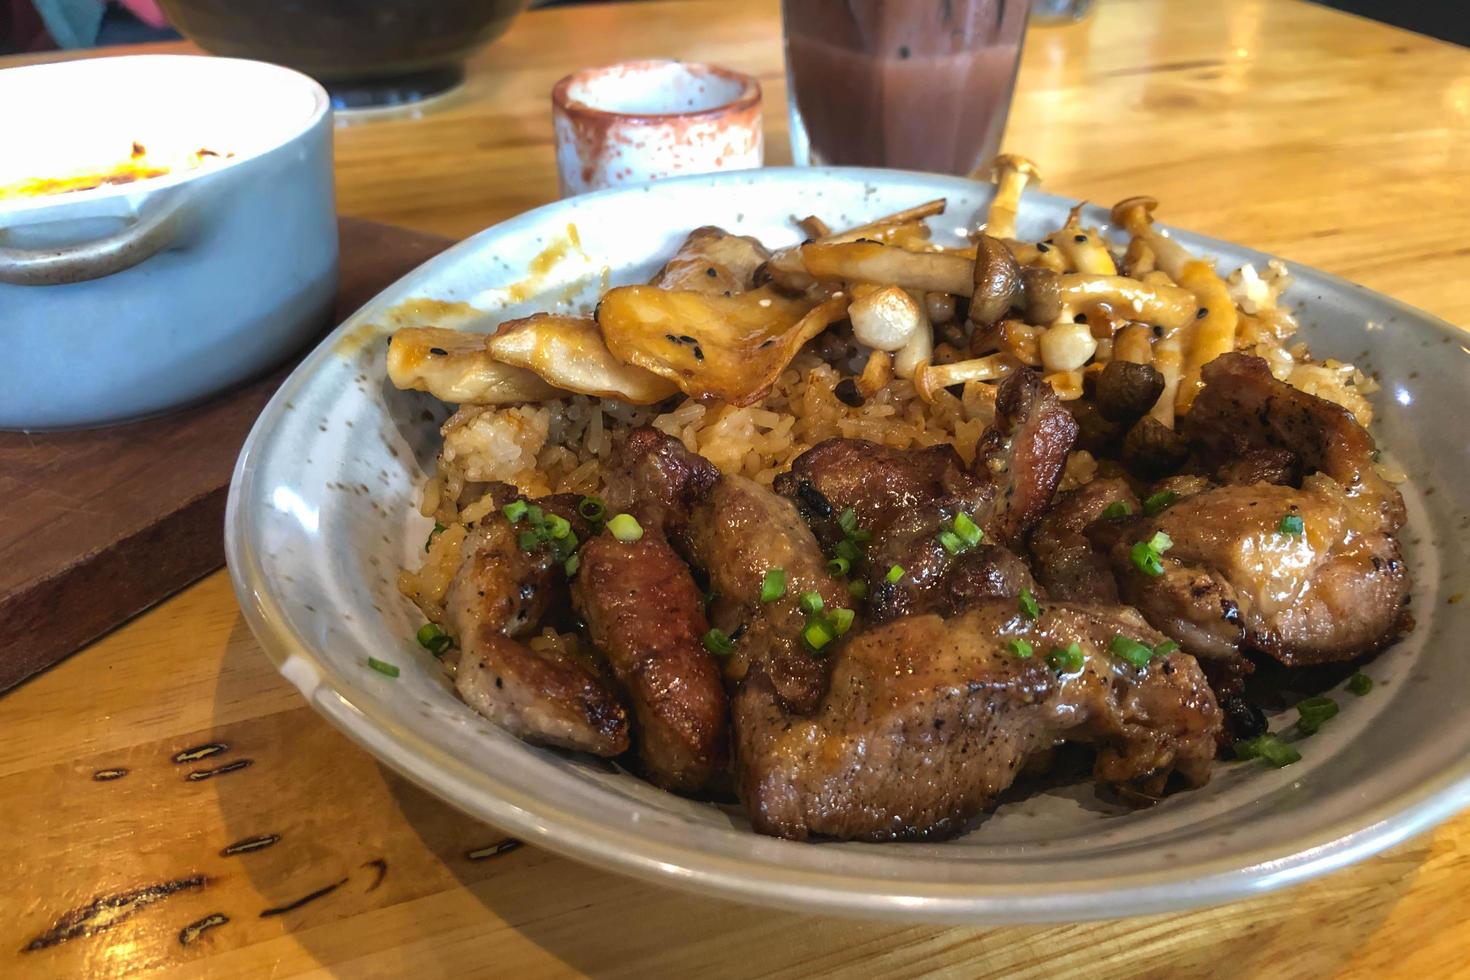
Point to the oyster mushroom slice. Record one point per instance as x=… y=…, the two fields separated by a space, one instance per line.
x=569 y=352
x=730 y=348
x=456 y=366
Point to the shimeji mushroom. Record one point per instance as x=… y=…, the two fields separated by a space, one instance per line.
x=942 y=272
x=930 y=379
x=1081 y=249
x=890 y=319
x=995 y=283
x=787 y=270
x=1011 y=174
x=1051 y=297
x=456 y=366
x=1214 y=334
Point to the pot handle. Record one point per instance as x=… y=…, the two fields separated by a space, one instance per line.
x=145 y=237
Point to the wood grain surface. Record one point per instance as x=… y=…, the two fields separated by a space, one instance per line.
x=1327 y=139
x=97 y=525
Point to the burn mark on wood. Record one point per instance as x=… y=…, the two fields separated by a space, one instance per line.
x=380 y=866
x=199 y=752
x=194 y=930
x=303 y=900
x=494 y=850
x=108 y=775
x=198 y=775
x=109 y=910
x=248 y=844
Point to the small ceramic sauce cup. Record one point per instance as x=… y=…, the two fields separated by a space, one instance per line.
x=642 y=120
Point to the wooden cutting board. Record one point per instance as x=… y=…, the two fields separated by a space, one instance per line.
x=96 y=526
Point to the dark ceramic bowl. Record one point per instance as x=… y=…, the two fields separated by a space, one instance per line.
x=367 y=54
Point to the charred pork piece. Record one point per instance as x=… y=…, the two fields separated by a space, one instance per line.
x=500 y=593
x=741 y=534
x=1298 y=574
x=659 y=481
x=1151 y=449
x=1023 y=453
x=1066 y=562
x=646 y=616
x=928 y=720
x=1244 y=408
x=1279 y=466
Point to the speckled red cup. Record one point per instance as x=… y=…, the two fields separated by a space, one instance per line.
x=642 y=120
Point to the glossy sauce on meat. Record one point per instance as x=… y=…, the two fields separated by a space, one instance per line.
x=927 y=720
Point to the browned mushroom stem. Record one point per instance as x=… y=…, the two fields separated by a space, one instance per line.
x=1135 y=215
x=1050 y=297
x=997 y=282
x=1011 y=175
x=930 y=379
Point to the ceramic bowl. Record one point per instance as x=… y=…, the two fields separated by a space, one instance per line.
x=646 y=120
x=129 y=299
x=322 y=514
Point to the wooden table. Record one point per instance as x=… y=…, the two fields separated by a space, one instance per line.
x=1327 y=139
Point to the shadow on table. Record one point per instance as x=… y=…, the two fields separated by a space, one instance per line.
x=373 y=840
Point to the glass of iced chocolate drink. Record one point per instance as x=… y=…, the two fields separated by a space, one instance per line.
x=910 y=84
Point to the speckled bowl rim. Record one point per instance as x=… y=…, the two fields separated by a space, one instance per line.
x=537 y=820
x=749 y=97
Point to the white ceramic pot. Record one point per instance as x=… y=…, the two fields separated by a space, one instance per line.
x=127 y=300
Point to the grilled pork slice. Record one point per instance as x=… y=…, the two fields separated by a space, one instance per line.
x=1066 y=562
x=926 y=721
x=741 y=533
x=908 y=499
x=500 y=593
x=1303 y=575
x=646 y=615
x=1243 y=409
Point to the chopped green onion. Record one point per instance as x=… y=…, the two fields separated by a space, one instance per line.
x=1360 y=684
x=1160 y=542
x=1313 y=712
x=529 y=540
x=1291 y=524
x=811 y=603
x=558 y=527
x=1137 y=654
x=847 y=520
x=1030 y=608
x=839 y=566
x=951 y=542
x=858 y=588
x=382 y=667
x=592 y=508
x=1067 y=661
x=536 y=514
x=1019 y=647
x=438 y=530
x=433 y=639
x=967 y=529
x=1117 y=509
x=895 y=572
x=861 y=536
x=1267 y=747
x=572 y=564
x=1155 y=503
x=1146 y=559
x=1165 y=648
x=625 y=528
x=817 y=634
x=846 y=548
x=773 y=586
x=515 y=510
x=842 y=620
x=718 y=642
